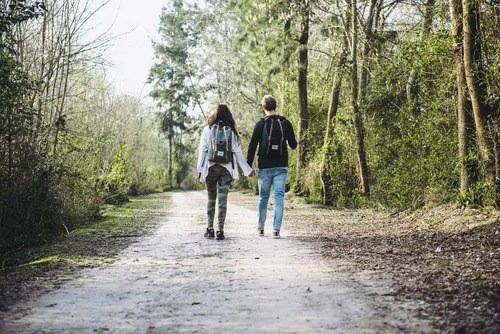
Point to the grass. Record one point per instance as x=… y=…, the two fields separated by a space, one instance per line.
x=129 y=218
x=46 y=260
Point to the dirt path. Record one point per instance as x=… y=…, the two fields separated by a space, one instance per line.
x=177 y=281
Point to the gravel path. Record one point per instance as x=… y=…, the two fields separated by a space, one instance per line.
x=175 y=281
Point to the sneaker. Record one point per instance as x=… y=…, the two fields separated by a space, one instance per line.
x=276 y=234
x=261 y=233
x=220 y=235
x=210 y=233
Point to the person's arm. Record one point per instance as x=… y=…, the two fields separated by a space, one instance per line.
x=202 y=150
x=290 y=136
x=252 y=147
x=238 y=155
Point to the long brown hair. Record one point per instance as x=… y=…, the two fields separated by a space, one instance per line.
x=221 y=113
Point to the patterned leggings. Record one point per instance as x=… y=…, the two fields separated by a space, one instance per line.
x=218 y=177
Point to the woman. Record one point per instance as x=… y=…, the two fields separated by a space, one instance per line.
x=218 y=152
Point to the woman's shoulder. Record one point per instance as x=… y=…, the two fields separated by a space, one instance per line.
x=205 y=131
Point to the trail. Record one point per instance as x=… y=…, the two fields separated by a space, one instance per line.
x=176 y=281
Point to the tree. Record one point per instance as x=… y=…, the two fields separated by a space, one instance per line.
x=302 y=93
x=172 y=74
x=333 y=106
x=394 y=112
x=463 y=102
x=368 y=41
x=426 y=27
x=474 y=76
x=63 y=133
x=356 y=114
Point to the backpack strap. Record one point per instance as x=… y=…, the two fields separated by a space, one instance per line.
x=282 y=136
x=226 y=138
x=214 y=141
x=227 y=141
x=269 y=136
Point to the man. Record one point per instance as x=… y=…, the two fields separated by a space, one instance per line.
x=272 y=133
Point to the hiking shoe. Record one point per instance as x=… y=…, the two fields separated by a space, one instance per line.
x=261 y=233
x=220 y=235
x=210 y=233
x=276 y=234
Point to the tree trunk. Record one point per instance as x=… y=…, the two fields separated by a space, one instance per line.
x=10 y=143
x=38 y=93
x=287 y=49
x=363 y=83
x=169 y=168
x=356 y=114
x=475 y=82
x=63 y=91
x=303 y=105
x=463 y=102
x=325 y=176
x=411 y=85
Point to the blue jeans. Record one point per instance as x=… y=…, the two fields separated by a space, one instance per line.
x=275 y=177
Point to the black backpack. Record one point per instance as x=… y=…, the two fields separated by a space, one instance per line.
x=273 y=137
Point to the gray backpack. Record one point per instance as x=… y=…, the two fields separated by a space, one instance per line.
x=219 y=149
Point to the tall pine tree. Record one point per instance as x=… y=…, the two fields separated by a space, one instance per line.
x=173 y=72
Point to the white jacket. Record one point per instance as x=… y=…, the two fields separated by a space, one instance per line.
x=203 y=164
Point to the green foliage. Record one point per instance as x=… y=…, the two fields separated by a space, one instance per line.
x=108 y=149
x=174 y=83
x=185 y=154
x=13 y=13
x=27 y=177
x=173 y=71
x=409 y=106
x=116 y=183
x=413 y=151
x=475 y=197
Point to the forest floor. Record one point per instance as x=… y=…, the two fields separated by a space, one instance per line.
x=353 y=271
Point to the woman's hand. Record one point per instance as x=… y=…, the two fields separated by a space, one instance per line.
x=252 y=173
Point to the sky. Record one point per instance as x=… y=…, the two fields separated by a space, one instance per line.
x=131 y=54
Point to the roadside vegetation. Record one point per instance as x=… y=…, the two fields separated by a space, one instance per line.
x=68 y=143
x=33 y=270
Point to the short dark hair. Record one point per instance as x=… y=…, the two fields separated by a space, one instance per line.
x=268 y=102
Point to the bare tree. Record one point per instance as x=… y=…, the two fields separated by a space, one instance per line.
x=356 y=114
x=475 y=84
x=302 y=90
x=411 y=84
x=325 y=177
x=463 y=102
x=368 y=41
